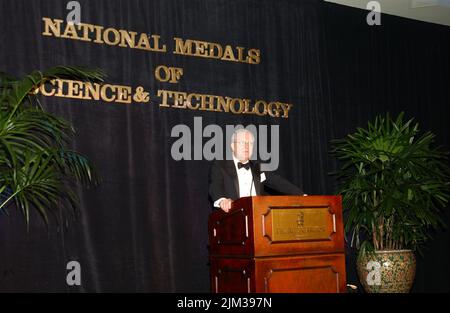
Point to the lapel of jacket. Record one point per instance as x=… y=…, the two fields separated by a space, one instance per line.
x=256 y=176
x=231 y=170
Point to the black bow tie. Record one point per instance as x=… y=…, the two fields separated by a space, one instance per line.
x=246 y=165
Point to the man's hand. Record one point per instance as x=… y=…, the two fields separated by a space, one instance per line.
x=225 y=205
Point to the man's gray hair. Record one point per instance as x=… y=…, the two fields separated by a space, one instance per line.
x=241 y=131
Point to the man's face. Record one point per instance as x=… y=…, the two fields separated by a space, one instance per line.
x=242 y=146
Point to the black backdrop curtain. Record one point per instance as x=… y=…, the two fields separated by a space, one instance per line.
x=402 y=65
x=145 y=227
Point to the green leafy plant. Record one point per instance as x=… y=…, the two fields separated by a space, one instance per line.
x=37 y=169
x=394 y=184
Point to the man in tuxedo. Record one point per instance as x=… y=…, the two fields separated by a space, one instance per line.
x=240 y=177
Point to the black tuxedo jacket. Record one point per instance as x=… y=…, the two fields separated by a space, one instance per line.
x=223 y=181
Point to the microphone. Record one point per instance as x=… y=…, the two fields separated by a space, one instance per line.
x=251 y=186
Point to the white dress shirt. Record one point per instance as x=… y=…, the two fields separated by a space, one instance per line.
x=245 y=178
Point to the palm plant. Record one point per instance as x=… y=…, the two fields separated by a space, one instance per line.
x=394 y=184
x=37 y=169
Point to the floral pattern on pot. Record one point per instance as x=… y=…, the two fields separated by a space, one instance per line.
x=387 y=271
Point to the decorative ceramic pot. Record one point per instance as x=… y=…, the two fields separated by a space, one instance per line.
x=387 y=271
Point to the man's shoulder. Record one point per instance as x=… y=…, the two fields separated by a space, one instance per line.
x=223 y=163
x=220 y=164
x=229 y=163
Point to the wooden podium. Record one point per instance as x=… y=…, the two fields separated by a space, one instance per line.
x=278 y=244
